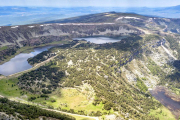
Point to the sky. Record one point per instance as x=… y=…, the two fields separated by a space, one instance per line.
x=85 y=3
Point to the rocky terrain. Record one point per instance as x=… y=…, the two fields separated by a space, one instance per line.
x=103 y=24
x=41 y=34
x=4 y=116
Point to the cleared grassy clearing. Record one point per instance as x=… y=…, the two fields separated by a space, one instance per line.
x=162 y=113
x=8 y=88
x=3 y=48
x=71 y=98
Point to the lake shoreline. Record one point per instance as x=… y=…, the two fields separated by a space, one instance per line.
x=29 y=49
x=19 y=62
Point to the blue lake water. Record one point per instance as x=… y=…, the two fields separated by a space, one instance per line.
x=100 y=40
x=19 y=62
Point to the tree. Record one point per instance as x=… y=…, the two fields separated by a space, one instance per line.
x=108 y=105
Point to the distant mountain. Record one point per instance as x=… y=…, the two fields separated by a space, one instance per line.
x=14 y=15
x=173 y=8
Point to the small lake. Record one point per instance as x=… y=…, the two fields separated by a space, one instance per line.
x=19 y=62
x=172 y=105
x=100 y=40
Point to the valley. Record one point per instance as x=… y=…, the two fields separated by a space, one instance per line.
x=117 y=79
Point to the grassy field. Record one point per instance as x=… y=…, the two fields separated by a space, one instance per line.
x=67 y=98
x=71 y=99
x=13 y=93
x=59 y=42
x=163 y=114
x=3 y=48
x=8 y=88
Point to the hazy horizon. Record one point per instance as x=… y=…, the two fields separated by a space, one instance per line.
x=94 y=3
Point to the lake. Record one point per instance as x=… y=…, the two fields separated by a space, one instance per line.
x=100 y=40
x=19 y=62
x=160 y=94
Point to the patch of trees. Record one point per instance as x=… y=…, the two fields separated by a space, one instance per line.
x=140 y=84
x=155 y=69
x=174 y=44
x=28 y=111
x=108 y=105
x=174 y=79
x=176 y=64
x=35 y=80
x=86 y=45
x=40 y=57
x=31 y=98
x=11 y=50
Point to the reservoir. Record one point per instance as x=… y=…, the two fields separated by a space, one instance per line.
x=19 y=62
x=100 y=40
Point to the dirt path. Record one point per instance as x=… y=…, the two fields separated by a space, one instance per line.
x=96 y=118
x=75 y=45
x=36 y=66
x=1 y=96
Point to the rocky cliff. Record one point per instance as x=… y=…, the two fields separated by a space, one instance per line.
x=46 y=33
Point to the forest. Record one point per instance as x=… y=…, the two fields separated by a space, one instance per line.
x=24 y=111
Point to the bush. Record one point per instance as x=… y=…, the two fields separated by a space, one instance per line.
x=108 y=106
x=53 y=101
x=31 y=98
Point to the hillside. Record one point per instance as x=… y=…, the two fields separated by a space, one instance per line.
x=13 y=38
x=103 y=80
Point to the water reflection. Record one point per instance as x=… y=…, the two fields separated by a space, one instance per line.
x=100 y=40
x=19 y=62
